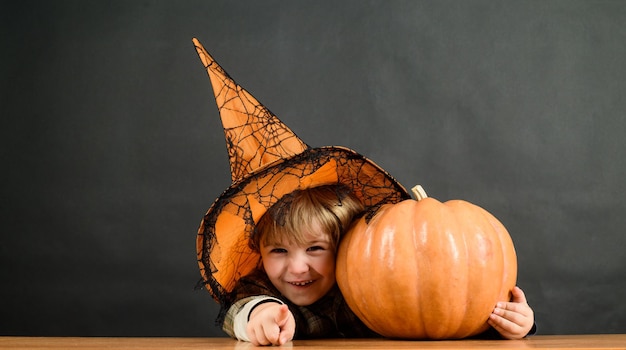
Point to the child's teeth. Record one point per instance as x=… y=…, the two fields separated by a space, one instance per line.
x=302 y=283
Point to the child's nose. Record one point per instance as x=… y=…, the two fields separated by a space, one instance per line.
x=298 y=264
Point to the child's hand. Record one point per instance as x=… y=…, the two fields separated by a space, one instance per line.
x=271 y=324
x=513 y=320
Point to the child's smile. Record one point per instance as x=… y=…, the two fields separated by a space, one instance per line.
x=302 y=284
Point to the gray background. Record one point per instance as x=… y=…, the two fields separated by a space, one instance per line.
x=112 y=148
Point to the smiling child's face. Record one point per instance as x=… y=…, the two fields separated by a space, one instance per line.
x=303 y=273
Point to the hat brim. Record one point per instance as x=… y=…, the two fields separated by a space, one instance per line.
x=223 y=250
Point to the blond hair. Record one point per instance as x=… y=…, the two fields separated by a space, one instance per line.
x=332 y=207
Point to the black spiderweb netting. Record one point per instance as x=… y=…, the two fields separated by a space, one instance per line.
x=268 y=161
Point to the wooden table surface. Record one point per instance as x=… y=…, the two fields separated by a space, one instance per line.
x=596 y=341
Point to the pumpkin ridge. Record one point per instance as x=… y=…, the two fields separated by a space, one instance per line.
x=456 y=218
x=441 y=279
x=459 y=330
x=484 y=246
x=507 y=246
x=343 y=273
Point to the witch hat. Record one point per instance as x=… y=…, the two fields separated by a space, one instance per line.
x=268 y=161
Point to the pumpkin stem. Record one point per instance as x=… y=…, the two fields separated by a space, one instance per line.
x=419 y=193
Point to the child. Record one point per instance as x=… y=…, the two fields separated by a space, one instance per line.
x=266 y=247
x=297 y=239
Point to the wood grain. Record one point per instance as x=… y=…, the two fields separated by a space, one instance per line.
x=595 y=341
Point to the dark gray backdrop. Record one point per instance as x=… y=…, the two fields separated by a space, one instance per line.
x=112 y=148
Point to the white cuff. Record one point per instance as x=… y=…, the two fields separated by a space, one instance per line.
x=241 y=319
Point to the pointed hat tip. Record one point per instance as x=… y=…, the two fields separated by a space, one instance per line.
x=204 y=55
x=255 y=137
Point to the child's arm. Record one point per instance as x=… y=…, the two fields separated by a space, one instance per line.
x=514 y=319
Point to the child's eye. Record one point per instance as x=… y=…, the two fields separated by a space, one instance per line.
x=315 y=248
x=278 y=251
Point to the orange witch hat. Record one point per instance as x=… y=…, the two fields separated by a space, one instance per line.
x=268 y=161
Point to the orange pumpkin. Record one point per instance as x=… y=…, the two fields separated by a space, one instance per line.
x=422 y=269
